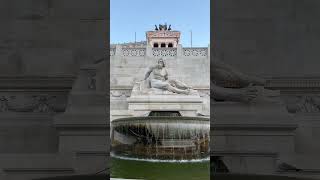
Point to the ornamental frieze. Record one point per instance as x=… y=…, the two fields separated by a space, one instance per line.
x=41 y=103
x=303 y=104
x=163 y=34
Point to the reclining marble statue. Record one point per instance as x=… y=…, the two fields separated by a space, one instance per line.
x=157 y=77
x=249 y=85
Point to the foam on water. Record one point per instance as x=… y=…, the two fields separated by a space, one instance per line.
x=161 y=160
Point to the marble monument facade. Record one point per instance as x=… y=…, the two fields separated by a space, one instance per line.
x=188 y=65
x=39 y=70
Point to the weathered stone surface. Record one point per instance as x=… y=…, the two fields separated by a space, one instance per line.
x=42 y=46
x=278 y=41
x=125 y=71
x=187 y=105
x=269 y=35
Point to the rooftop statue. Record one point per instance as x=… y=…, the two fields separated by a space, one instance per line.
x=223 y=72
x=163 y=27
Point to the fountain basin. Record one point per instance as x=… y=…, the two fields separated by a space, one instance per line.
x=213 y=177
x=160 y=138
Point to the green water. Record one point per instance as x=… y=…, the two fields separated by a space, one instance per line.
x=159 y=170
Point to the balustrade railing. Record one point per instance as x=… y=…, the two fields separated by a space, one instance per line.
x=160 y=52
x=164 y=52
x=134 y=52
x=195 y=52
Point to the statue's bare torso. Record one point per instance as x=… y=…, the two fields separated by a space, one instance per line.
x=159 y=73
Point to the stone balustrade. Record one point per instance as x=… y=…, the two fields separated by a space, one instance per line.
x=133 y=51
x=193 y=52
x=164 y=52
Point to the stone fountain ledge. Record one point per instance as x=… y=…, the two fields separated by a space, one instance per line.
x=187 y=105
x=123 y=179
x=144 y=100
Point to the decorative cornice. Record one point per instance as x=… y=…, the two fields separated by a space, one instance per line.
x=163 y=34
x=285 y=84
x=31 y=83
x=293 y=82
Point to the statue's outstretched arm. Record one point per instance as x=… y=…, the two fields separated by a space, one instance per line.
x=150 y=69
x=219 y=66
x=228 y=94
x=226 y=72
x=166 y=75
x=221 y=93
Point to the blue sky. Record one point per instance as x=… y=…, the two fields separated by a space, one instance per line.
x=130 y=16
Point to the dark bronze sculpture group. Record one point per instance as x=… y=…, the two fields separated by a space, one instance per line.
x=163 y=27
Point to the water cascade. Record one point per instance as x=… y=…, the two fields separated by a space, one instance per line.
x=163 y=138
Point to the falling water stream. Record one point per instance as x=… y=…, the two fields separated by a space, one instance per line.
x=161 y=142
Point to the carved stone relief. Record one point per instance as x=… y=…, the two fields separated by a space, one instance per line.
x=304 y=104
x=43 y=103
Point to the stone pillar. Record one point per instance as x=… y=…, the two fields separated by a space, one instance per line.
x=179 y=50
x=246 y=135
x=118 y=50
x=149 y=51
x=83 y=129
